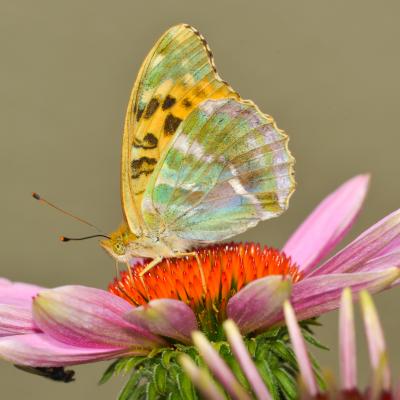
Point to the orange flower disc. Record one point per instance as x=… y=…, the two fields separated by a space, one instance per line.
x=227 y=269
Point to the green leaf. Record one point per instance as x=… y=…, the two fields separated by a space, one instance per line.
x=312 y=340
x=166 y=357
x=317 y=371
x=151 y=391
x=237 y=371
x=139 y=393
x=268 y=377
x=160 y=378
x=174 y=396
x=130 y=386
x=109 y=372
x=283 y=351
x=287 y=383
x=251 y=347
x=185 y=386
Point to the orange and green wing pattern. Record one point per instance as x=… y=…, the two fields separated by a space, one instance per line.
x=228 y=168
x=177 y=75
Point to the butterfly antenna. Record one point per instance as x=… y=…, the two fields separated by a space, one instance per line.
x=68 y=239
x=36 y=196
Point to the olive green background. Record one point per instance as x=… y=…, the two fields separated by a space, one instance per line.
x=328 y=71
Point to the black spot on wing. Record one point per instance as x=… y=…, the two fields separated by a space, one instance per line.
x=151 y=108
x=139 y=114
x=148 y=142
x=171 y=124
x=168 y=102
x=187 y=103
x=142 y=166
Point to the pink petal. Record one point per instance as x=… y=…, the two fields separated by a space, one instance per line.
x=218 y=367
x=314 y=296
x=392 y=247
x=40 y=350
x=300 y=349
x=15 y=320
x=367 y=246
x=380 y=263
x=241 y=353
x=327 y=224
x=18 y=293
x=201 y=379
x=88 y=317
x=347 y=342
x=375 y=338
x=165 y=317
x=253 y=307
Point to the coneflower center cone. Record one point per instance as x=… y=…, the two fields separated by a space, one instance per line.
x=227 y=269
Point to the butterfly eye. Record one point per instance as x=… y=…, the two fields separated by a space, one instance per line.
x=119 y=248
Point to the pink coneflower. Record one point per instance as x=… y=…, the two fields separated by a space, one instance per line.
x=245 y=282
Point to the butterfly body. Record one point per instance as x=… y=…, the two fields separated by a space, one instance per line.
x=125 y=246
x=199 y=163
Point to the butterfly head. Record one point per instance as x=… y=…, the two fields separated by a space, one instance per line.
x=118 y=243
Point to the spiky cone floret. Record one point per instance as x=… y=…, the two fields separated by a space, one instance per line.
x=227 y=268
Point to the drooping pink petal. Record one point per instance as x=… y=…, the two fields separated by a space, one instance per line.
x=165 y=317
x=201 y=379
x=300 y=349
x=380 y=263
x=218 y=367
x=242 y=355
x=40 y=350
x=315 y=296
x=254 y=306
x=327 y=224
x=367 y=246
x=16 y=293
x=375 y=338
x=392 y=247
x=15 y=320
x=347 y=342
x=88 y=317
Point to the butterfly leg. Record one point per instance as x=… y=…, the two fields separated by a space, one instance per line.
x=129 y=271
x=116 y=269
x=196 y=256
x=148 y=267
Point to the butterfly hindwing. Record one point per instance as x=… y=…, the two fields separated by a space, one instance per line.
x=228 y=168
x=176 y=76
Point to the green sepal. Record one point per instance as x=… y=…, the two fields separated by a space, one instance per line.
x=287 y=383
x=312 y=340
x=130 y=387
x=268 y=377
x=185 y=387
x=160 y=378
x=160 y=375
x=151 y=391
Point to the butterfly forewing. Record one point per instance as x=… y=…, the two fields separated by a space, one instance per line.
x=177 y=75
x=227 y=169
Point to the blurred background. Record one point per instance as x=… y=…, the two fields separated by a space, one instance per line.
x=327 y=71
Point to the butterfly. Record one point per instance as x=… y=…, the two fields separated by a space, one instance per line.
x=199 y=163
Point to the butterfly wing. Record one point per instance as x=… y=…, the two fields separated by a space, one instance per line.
x=176 y=76
x=228 y=168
